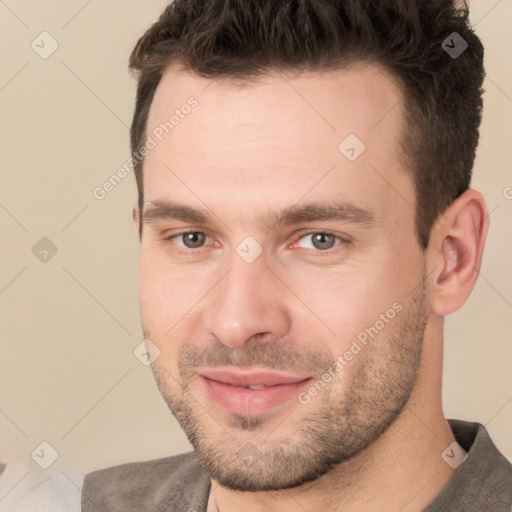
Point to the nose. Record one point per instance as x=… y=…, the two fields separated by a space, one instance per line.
x=248 y=303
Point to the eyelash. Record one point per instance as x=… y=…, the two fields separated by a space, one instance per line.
x=302 y=234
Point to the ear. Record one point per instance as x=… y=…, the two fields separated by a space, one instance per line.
x=455 y=251
x=136 y=218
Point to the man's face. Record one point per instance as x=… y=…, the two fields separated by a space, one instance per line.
x=327 y=311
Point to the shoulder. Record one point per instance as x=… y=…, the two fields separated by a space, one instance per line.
x=157 y=468
x=482 y=452
x=483 y=479
x=24 y=487
x=147 y=485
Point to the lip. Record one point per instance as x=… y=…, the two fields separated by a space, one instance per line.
x=230 y=389
x=251 y=378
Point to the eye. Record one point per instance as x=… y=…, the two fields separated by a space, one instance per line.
x=189 y=240
x=319 y=241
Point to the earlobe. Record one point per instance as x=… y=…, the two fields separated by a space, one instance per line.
x=458 y=244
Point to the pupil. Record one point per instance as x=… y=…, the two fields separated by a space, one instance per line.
x=319 y=241
x=194 y=240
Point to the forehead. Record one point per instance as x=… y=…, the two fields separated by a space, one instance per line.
x=332 y=135
x=355 y=100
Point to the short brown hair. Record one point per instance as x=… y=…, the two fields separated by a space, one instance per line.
x=245 y=38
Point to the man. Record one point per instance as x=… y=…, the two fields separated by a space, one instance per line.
x=306 y=223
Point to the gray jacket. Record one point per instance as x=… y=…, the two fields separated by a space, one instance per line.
x=178 y=483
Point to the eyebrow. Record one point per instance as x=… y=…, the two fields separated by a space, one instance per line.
x=343 y=211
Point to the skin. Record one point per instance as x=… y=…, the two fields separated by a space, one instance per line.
x=372 y=438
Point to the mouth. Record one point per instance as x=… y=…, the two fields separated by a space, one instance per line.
x=251 y=393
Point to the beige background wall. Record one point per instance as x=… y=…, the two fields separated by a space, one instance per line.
x=69 y=325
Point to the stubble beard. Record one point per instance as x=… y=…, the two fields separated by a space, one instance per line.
x=340 y=422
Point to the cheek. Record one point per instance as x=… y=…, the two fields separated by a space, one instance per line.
x=161 y=296
x=171 y=298
x=343 y=303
